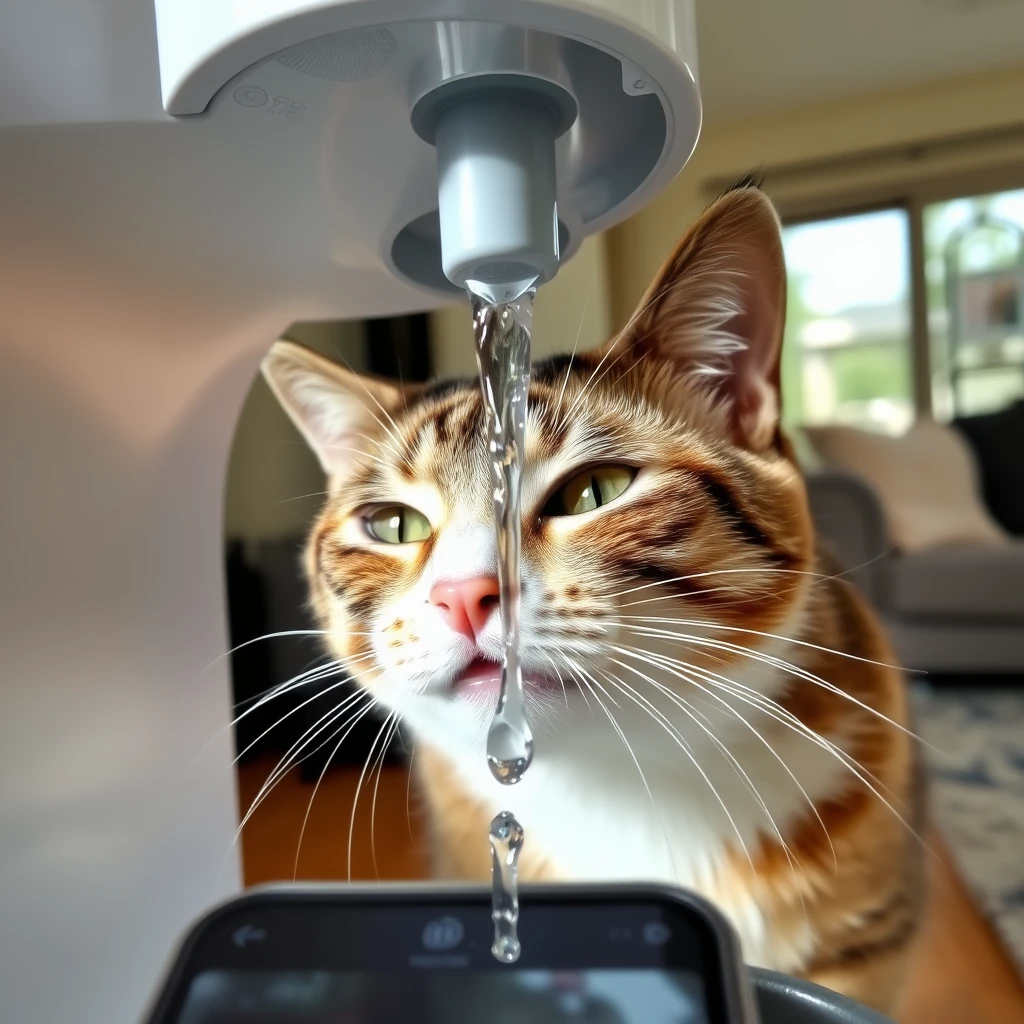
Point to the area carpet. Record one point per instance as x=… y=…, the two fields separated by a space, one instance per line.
x=977 y=795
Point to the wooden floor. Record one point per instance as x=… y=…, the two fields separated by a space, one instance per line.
x=961 y=975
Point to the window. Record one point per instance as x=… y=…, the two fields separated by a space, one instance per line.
x=865 y=322
x=847 y=352
x=974 y=267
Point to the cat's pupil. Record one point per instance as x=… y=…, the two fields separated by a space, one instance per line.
x=589 y=490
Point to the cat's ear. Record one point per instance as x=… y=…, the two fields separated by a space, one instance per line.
x=335 y=409
x=716 y=313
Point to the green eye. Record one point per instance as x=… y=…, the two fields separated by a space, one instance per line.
x=397 y=524
x=589 y=490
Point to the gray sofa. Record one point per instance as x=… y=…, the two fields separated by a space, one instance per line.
x=948 y=610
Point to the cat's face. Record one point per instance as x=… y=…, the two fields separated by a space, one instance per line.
x=660 y=521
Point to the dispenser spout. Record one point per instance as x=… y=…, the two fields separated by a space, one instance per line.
x=497 y=193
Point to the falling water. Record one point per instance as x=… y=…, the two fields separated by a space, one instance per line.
x=503 y=356
x=502 y=331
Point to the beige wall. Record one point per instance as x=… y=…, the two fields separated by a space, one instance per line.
x=855 y=144
x=271 y=468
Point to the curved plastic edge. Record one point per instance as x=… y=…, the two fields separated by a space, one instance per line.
x=803 y=1002
x=204 y=43
x=739 y=991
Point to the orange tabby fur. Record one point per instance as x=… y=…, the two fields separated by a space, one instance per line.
x=718 y=525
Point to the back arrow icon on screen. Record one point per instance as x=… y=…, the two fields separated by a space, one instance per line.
x=246 y=934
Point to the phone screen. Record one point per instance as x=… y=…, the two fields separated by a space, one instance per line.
x=588 y=957
x=500 y=996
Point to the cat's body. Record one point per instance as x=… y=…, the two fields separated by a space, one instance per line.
x=693 y=722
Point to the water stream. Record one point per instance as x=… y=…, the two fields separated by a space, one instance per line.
x=503 y=356
x=502 y=332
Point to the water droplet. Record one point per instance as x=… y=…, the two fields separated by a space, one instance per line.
x=506 y=837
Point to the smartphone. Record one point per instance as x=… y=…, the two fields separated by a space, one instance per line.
x=387 y=954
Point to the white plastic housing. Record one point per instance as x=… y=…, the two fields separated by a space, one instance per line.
x=176 y=191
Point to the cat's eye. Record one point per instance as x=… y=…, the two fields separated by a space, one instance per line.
x=589 y=490
x=397 y=524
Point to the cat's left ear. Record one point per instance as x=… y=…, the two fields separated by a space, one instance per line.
x=716 y=313
x=337 y=411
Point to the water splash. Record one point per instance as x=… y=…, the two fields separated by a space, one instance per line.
x=506 y=841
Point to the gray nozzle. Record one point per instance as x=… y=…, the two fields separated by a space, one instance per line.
x=496 y=193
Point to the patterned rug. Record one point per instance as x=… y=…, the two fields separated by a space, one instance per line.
x=977 y=796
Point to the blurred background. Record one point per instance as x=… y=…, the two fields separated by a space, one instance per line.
x=891 y=137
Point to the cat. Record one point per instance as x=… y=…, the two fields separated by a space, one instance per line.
x=694 y=722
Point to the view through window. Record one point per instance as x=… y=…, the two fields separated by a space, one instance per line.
x=847 y=352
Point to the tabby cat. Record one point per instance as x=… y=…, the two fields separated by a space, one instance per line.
x=694 y=720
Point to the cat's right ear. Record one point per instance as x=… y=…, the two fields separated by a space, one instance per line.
x=714 y=315
x=335 y=409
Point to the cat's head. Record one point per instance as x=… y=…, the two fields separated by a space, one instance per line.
x=664 y=526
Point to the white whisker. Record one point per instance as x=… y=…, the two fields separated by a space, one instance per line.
x=685 y=747
x=281 y=770
x=750 y=726
x=360 y=715
x=847 y=760
x=773 y=661
x=288 y=761
x=643 y=778
x=270 y=636
x=575 y=344
x=288 y=714
x=731 y=759
x=373 y=803
x=385 y=726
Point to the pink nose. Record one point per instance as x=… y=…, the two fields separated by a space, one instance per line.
x=467 y=605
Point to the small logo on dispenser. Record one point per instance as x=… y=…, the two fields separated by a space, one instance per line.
x=443 y=933
x=284 y=106
x=250 y=96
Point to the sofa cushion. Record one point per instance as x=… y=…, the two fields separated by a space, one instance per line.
x=961 y=582
x=996 y=440
x=926 y=482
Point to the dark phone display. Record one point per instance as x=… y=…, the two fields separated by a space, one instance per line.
x=590 y=956
x=500 y=996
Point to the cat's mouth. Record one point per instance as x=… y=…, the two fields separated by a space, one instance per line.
x=482 y=677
